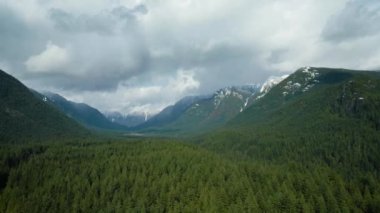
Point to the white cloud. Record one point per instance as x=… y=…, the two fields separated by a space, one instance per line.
x=52 y=59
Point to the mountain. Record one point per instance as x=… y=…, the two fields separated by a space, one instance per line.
x=169 y=114
x=129 y=120
x=315 y=114
x=202 y=113
x=24 y=117
x=315 y=91
x=83 y=113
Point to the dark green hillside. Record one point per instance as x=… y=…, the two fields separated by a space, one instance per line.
x=25 y=117
x=336 y=121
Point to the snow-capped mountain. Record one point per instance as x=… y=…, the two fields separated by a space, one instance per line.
x=304 y=81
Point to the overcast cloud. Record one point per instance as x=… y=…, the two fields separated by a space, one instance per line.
x=141 y=55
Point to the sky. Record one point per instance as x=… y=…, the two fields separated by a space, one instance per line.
x=136 y=56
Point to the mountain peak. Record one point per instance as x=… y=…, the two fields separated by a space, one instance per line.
x=301 y=81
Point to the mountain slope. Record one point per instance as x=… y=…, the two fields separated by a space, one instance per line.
x=202 y=113
x=83 y=113
x=315 y=114
x=24 y=117
x=171 y=113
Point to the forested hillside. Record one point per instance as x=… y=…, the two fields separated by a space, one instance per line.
x=25 y=117
x=336 y=121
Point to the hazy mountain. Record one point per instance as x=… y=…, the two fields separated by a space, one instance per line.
x=83 y=113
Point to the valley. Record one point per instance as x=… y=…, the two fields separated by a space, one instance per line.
x=307 y=142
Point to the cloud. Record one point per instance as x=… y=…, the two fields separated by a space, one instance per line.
x=184 y=82
x=358 y=19
x=18 y=40
x=130 y=55
x=91 y=51
x=104 y=22
x=53 y=58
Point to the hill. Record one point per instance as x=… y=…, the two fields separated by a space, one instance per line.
x=25 y=117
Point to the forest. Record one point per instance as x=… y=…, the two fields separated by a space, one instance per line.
x=161 y=175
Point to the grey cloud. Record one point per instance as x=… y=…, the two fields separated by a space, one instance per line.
x=277 y=56
x=359 y=18
x=127 y=13
x=97 y=64
x=17 y=39
x=100 y=56
x=110 y=46
x=105 y=22
x=67 y=22
x=218 y=65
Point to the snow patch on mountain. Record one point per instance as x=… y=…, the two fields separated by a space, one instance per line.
x=242 y=93
x=303 y=82
x=271 y=82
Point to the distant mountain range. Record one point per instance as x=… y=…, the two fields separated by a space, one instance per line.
x=82 y=113
x=201 y=113
x=278 y=101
